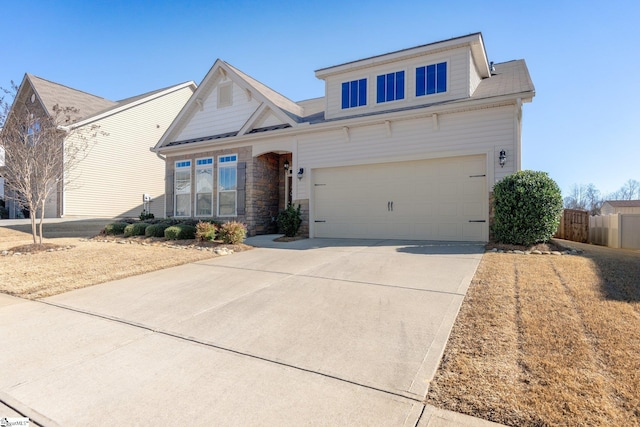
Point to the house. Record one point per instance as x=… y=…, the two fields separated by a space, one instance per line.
x=620 y=207
x=119 y=167
x=404 y=145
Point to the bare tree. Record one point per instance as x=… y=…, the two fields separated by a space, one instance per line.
x=40 y=153
x=585 y=197
x=630 y=190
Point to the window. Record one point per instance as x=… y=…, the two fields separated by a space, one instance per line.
x=431 y=79
x=225 y=95
x=227 y=185
x=182 y=182
x=204 y=187
x=354 y=93
x=390 y=87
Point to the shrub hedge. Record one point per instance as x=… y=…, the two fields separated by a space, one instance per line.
x=205 y=231
x=156 y=230
x=289 y=220
x=115 y=228
x=180 y=232
x=528 y=205
x=135 y=229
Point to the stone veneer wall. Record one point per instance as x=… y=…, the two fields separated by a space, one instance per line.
x=263 y=194
x=304 y=210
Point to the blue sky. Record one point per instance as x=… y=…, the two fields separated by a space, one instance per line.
x=584 y=58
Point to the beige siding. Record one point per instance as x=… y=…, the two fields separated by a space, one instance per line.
x=473 y=132
x=474 y=75
x=211 y=120
x=457 y=83
x=119 y=167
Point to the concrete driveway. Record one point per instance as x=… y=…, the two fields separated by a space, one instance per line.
x=314 y=332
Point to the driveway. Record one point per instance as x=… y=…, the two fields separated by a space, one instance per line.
x=317 y=331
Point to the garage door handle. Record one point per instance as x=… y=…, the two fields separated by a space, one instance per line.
x=391 y=206
x=477 y=220
x=318 y=220
x=388 y=206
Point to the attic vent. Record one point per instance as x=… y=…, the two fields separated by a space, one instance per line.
x=225 y=95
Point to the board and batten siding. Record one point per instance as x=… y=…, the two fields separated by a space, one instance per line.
x=457 y=83
x=482 y=131
x=120 y=167
x=211 y=120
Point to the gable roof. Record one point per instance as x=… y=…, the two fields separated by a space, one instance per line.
x=51 y=94
x=508 y=78
x=289 y=112
x=624 y=203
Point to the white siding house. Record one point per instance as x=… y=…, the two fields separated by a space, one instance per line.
x=403 y=145
x=119 y=166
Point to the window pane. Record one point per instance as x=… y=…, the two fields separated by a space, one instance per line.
x=227 y=203
x=431 y=79
x=345 y=95
x=353 y=95
x=380 y=89
x=204 y=181
x=204 y=204
x=391 y=85
x=441 y=77
x=183 y=182
x=400 y=85
x=183 y=205
x=420 y=80
x=362 y=88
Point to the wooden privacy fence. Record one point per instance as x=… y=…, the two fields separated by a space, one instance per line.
x=574 y=226
x=615 y=230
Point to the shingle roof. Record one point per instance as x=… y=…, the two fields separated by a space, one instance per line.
x=508 y=78
x=624 y=203
x=53 y=93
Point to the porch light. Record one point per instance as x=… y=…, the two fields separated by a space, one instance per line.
x=286 y=165
x=502 y=158
x=300 y=173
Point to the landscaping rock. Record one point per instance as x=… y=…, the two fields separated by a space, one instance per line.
x=556 y=253
x=536 y=252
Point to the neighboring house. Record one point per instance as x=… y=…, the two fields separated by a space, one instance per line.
x=405 y=145
x=620 y=207
x=119 y=167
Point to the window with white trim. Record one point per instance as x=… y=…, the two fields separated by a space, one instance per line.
x=390 y=87
x=431 y=79
x=182 y=188
x=227 y=185
x=354 y=93
x=204 y=187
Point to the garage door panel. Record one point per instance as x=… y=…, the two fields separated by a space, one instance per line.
x=432 y=199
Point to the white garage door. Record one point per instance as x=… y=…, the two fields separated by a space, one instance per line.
x=439 y=199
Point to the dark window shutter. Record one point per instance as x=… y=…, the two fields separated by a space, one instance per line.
x=168 y=186
x=242 y=181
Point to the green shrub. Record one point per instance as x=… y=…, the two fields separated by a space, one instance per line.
x=205 y=231
x=135 y=229
x=289 y=220
x=146 y=215
x=232 y=232
x=156 y=230
x=115 y=228
x=180 y=232
x=528 y=205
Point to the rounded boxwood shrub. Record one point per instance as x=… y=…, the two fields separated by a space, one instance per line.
x=527 y=207
x=232 y=232
x=180 y=232
x=115 y=228
x=135 y=229
x=156 y=230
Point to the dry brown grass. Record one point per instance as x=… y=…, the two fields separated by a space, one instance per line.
x=547 y=340
x=88 y=263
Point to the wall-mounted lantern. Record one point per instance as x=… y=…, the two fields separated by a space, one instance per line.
x=286 y=165
x=502 y=158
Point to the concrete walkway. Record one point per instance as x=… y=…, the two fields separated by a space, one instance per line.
x=314 y=332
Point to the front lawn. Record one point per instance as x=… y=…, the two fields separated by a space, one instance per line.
x=547 y=340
